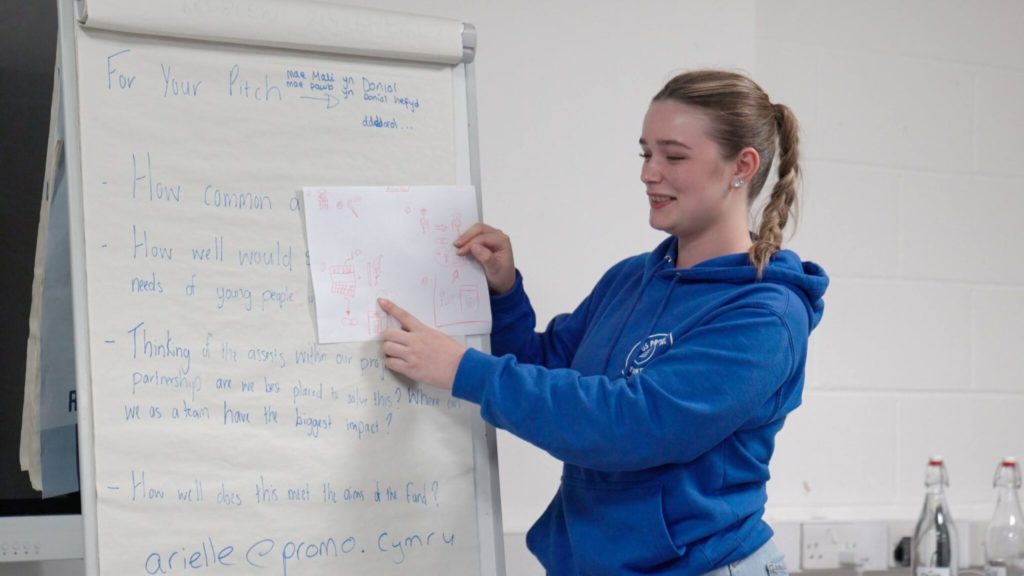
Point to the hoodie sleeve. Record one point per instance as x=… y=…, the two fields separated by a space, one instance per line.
x=686 y=401
x=513 y=324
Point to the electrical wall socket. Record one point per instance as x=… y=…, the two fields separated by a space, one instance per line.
x=823 y=544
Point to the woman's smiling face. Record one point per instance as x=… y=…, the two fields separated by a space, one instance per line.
x=686 y=177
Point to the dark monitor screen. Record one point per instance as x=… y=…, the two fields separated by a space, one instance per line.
x=28 y=34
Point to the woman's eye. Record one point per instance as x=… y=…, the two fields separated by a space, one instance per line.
x=645 y=155
x=676 y=158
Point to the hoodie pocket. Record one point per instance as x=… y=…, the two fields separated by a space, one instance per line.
x=616 y=528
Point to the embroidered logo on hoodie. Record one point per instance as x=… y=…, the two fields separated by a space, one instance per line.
x=644 y=351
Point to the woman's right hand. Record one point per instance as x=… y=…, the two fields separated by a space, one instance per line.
x=493 y=249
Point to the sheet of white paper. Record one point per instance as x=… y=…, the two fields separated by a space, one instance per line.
x=395 y=242
x=57 y=409
x=30 y=451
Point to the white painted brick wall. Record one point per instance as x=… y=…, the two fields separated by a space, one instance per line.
x=912 y=120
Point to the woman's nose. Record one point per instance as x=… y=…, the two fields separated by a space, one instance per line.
x=649 y=174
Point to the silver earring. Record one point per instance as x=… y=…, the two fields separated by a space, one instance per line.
x=737 y=183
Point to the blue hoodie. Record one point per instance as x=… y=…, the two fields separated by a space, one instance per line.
x=662 y=394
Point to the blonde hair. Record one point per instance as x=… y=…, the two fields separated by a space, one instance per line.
x=742 y=115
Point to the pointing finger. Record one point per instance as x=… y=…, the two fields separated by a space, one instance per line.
x=407 y=320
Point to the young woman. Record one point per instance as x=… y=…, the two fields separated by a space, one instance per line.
x=663 y=391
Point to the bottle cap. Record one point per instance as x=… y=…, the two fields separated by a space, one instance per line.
x=935 y=461
x=1009 y=462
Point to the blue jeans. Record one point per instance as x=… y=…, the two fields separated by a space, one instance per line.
x=765 y=561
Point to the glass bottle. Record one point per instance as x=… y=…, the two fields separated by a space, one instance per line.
x=935 y=541
x=1004 y=539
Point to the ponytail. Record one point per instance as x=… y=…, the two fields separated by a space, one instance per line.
x=783 y=199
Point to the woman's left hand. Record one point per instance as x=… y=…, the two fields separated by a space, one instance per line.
x=418 y=351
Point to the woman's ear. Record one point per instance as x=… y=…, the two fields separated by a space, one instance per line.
x=747 y=163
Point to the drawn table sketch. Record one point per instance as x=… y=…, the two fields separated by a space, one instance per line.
x=395 y=242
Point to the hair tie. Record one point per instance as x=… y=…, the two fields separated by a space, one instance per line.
x=780 y=112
